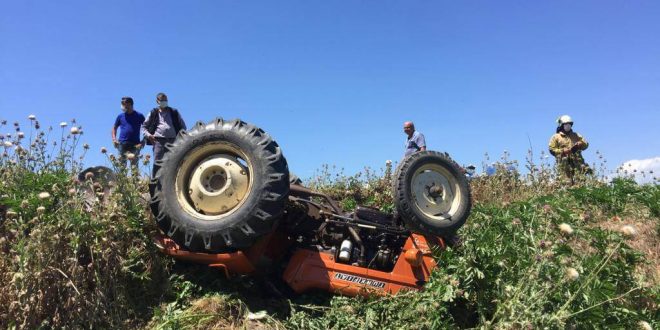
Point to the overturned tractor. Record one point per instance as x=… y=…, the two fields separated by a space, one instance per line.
x=223 y=197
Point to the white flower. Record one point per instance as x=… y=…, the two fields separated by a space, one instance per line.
x=43 y=195
x=628 y=231
x=8 y=144
x=572 y=274
x=75 y=130
x=565 y=229
x=32 y=117
x=63 y=124
x=41 y=210
x=388 y=162
x=11 y=214
x=643 y=325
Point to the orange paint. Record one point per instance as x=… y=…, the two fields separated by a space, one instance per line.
x=308 y=269
x=315 y=270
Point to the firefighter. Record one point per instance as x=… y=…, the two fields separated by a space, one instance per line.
x=567 y=146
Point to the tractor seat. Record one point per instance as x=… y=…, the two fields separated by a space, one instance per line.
x=373 y=215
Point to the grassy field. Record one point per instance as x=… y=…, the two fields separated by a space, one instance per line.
x=77 y=253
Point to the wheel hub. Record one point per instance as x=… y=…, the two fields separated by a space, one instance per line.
x=218 y=184
x=433 y=193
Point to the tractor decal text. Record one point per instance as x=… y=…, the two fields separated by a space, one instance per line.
x=360 y=280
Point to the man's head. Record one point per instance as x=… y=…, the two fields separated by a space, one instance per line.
x=565 y=122
x=161 y=100
x=409 y=128
x=127 y=103
x=470 y=169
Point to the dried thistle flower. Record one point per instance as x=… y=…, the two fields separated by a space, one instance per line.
x=89 y=176
x=8 y=144
x=63 y=124
x=25 y=204
x=44 y=195
x=643 y=325
x=32 y=117
x=20 y=135
x=388 y=162
x=75 y=130
x=11 y=214
x=547 y=208
x=130 y=156
x=572 y=274
x=628 y=231
x=86 y=146
x=103 y=150
x=41 y=210
x=565 y=229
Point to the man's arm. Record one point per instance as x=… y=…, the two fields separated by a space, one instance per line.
x=421 y=142
x=114 y=131
x=145 y=126
x=554 y=147
x=114 y=134
x=582 y=144
x=182 y=123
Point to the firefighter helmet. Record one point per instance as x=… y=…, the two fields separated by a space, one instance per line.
x=565 y=119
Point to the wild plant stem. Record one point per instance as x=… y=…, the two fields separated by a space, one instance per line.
x=587 y=281
x=603 y=302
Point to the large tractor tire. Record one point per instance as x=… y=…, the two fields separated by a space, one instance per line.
x=431 y=194
x=220 y=186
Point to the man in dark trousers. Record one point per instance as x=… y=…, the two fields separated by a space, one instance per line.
x=129 y=123
x=161 y=127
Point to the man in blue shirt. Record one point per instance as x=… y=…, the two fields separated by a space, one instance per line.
x=129 y=123
x=415 y=141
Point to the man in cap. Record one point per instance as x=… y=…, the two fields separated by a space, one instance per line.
x=129 y=123
x=567 y=146
x=161 y=127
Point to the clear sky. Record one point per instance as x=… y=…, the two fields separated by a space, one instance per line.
x=333 y=81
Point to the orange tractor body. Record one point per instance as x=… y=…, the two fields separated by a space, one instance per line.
x=308 y=270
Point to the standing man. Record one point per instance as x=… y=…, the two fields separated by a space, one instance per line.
x=415 y=141
x=129 y=122
x=161 y=127
x=567 y=146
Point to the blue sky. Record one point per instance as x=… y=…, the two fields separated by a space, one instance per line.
x=333 y=81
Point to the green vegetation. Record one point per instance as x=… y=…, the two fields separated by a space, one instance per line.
x=78 y=254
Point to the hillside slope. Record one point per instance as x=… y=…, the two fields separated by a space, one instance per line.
x=77 y=252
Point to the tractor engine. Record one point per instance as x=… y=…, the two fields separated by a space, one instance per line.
x=366 y=237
